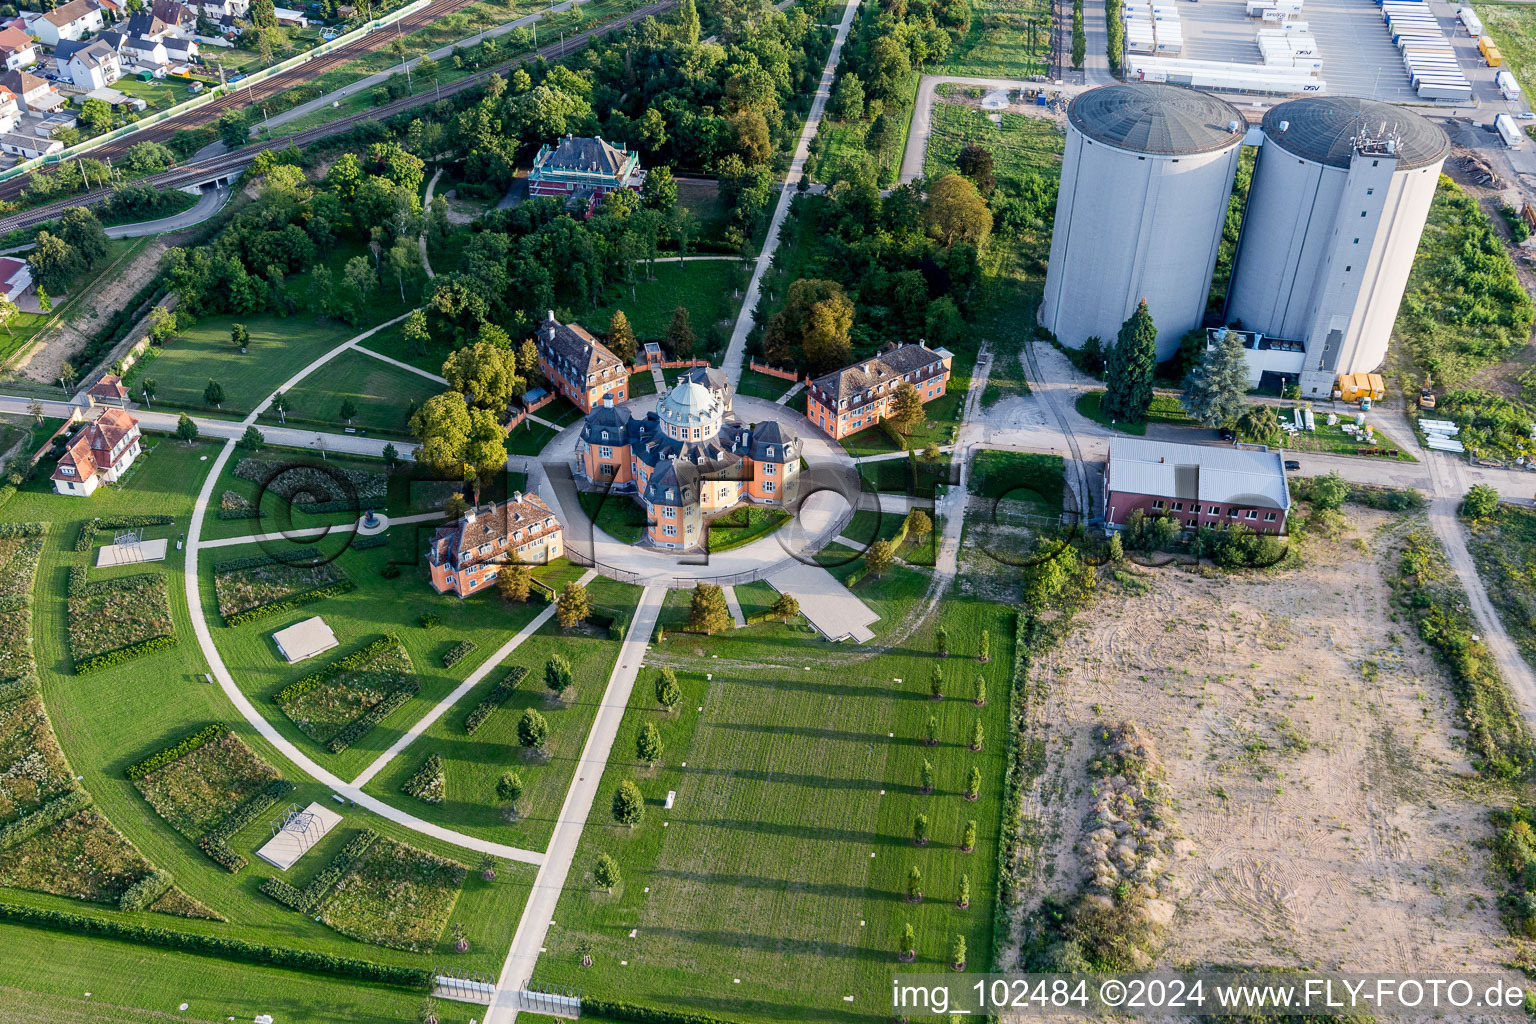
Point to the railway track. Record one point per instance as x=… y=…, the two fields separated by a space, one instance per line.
x=197 y=171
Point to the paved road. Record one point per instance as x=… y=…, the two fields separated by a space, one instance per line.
x=539 y=912
x=912 y=159
x=208 y=204
x=735 y=353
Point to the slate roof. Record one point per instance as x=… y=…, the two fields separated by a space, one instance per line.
x=1165 y=120
x=773 y=434
x=589 y=156
x=614 y=420
x=1323 y=129
x=1231 y=476
x=572 y=345
x=869 y=373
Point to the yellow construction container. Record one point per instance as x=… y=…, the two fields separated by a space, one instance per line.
x=1346 y=387
x=1378 y=387
x=1490 y=51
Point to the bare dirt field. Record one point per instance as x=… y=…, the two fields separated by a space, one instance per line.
x=1308 y=743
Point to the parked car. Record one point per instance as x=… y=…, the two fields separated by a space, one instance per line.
x=1292 y=465
x=1227 y=435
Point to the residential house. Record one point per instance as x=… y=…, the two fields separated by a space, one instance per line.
x=147 y=25
x=10 y=110
x=17 y=49
x=287 y=17
x=691 y=460
x=54 y=123
x=579 y=166
x=33 y=93
x=1197 y=485
x=847 y=401
x=28 y=146
x=92 y=65
x=72 y=21
x=139 y=51
x=214 y=10
x=99 y=453
x=109 y=390
x=180 y=50
x=180 y=20
x=468 y=556
x=578 y=365
x=15 y=277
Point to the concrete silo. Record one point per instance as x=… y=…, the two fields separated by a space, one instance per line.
x=1145 y=180
x=1340 y=194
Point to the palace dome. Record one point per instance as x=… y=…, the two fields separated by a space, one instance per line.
x=690 y=412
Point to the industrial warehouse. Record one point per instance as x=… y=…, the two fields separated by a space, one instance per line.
x=1340 y=193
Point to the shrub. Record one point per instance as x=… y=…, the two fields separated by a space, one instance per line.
x=215 y=842
x=219 y=946
x=178 y=749
x=509 y=787
x=307 y=900
x=362 y=724
x=288 y=604
x=495 y=699
x=428 y=782
x=146 y=890
x=458 y=652
x=326 y=672
x=610 y=1009
x=1481 y=502
x=46 y=816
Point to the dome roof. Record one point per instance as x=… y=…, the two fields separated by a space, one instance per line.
x=689 y=404
x=1323 y=129
x=1164 y=120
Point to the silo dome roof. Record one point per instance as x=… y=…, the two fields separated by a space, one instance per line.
x=1323 y=129
x=1165 y=120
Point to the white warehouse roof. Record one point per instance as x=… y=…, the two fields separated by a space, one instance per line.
x=1194 y=472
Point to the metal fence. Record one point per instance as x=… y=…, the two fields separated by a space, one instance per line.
x=463 y=986
x=555 y=999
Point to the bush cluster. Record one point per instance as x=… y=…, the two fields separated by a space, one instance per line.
x=289 y=603
x=427 y=782
x=615 y=1010
x=360 y=726
x=495 y=699
x=89 y=528
x=458 y=652
x=122 y=654
x=46 y=816
x=146 y=890
x=177 y=750
x=10 y=531
x=119 y=325
x=1311 y=489
x=307 y=900
x=219 y=946
x=378 y=540
x=215 y=842
x=327 y=672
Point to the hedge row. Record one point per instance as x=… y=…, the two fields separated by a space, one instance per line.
x=423 y=780
x=179 y=749
x=78 y=587
x=122 y=654
x=364 y=723
x=307 y=900
x=257 y=561
x=326 y=507
x=614 y=1010
x=89 y=528
x=289 y=603
x=1026 y=635
x=376 y=540
x=340 y=665
x=118 y=326
x=495 y=699
x=240 y=513
x=46 y=816
x=146 y=890
x=10 y=531
x=458 y=652
x=215 y=945
x=215 y=842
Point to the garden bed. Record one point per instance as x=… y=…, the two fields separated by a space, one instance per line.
x=113 y=620
x=310 y=486
x=35 y=770
x=326 y=708
x=245 y=586
x=396 y=896
x=198 y=790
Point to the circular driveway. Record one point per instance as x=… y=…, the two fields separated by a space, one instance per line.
x=829 y=491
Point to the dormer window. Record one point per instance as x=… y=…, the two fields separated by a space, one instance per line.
x=770 y=451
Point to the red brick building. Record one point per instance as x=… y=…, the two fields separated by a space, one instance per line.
x=467 y=556
x=1198 y=485
x=847 y=401
x=579 y=366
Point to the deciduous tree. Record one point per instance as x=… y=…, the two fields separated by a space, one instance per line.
x=956 y=212
x=515 y=583
x=486 y=372
x=709 y=612
x=573 y=606
x=557 y=674
x=879 y=557
x=532 y=729
x=906 y=408
x=510 y=787
x=186 y=430
x=606 y=872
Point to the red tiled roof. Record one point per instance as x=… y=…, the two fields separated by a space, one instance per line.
x=92 y=447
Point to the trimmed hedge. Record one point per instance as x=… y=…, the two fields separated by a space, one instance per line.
x=89 y=528
x=458 y=652
x=122 y=654
x=289 y=603
x=307 y=900
x=146 y=890
x=340 y=665
x=377 y=540
x=424 y=780
x=46 y=816
x=214 y=945
x=495 y=699
x=215 y=842
x=615 y=1010
x=177 y=750
x=10 y=531
x=364 y=723
x=257 y=561
x=240 y=513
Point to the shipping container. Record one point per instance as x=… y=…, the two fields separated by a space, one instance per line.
x=1490 y=51
x=1453 y=93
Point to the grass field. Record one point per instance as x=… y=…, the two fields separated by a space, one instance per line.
x=1164 y=409
x=24 y=327
x=1019 y=476
x=711 y=289
x=1005 y=39
x=761 y=385
x=385 y=396
x=474 y=763
x=938 y=427
x=1513 y=28
x=617 y=515
x=784 y=861
x=108 y=720
x=1020 y=146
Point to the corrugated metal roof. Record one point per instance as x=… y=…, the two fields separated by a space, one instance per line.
x=1323 y=129
x=1193 y=472
x=1165 y=120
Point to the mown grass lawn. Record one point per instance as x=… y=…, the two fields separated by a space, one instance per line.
x=939 y=426
x=107 y=721
x=1005 y=39
x=784 y=860
x=474 y=763
x=1020 y=146
x=617 y=515
x=385 y=396
x=1164 y=409
x=710 y=289
x=761 y=385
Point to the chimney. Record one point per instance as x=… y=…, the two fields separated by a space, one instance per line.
x=469 y=516
x=551 y=315
x=517 y=496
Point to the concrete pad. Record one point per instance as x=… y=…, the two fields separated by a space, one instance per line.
x=128 y=554
x=734 y=606
x=825 y=602
x=304 y=639
x=303 y=831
